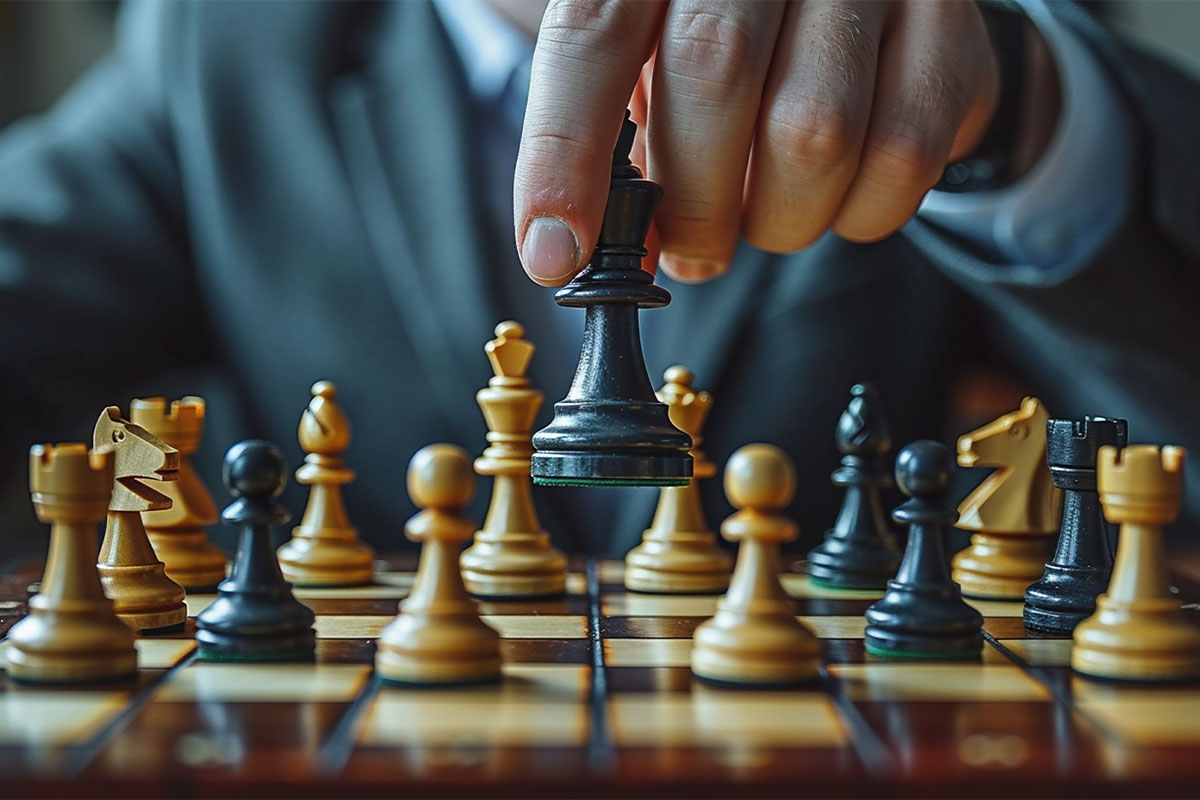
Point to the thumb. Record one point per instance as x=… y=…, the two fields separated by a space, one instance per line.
x=585 y=65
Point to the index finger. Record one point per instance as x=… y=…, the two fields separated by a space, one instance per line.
x=586 y=63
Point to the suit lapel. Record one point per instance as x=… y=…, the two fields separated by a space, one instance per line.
x=403 y=122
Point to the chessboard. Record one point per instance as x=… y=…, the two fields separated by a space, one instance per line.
x=597 y=699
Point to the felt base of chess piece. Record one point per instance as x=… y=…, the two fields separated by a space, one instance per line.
x=255 y=616
x=135 y=580
x=999 y=567
x=438 y=637
x=843 y=564
x=909 y=623
x=755 y=639
x=71 y=634
x=1082 y=564
x=923 y=615
x=674 y=560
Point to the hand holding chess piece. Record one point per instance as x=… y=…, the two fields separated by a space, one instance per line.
x=678 y=553
x=72 y=634
x=755 y=638
x=438 y=637
x=1138 y=632
x=512 y=555
x=325 y=549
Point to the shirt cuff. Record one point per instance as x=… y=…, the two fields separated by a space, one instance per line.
x=1070 y=203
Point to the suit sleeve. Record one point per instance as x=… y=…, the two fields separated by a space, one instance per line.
x=1115 y=334
x=96 y=288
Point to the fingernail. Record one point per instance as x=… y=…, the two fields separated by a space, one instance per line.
x=691 y=270
x=550 y=252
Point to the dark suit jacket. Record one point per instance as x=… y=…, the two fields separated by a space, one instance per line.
x=247 y=197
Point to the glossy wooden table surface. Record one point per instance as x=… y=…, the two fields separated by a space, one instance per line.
x=597 y=700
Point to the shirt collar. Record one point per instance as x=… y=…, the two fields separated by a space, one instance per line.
x=490 y=47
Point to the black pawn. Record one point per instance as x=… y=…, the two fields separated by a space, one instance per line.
x=1083 y=561
x=923 y=615
x=255 y=617
x=859 y=552
x=611 y=429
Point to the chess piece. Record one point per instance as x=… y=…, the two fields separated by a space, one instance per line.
x=177 y=533
x=1082 y=564
x=1013 y=512
x=512 y=555
x=922 y=614
x=859 y=552
x=72 y=634
x=610 y=430
x=755 y=639
x=1138 y=632
x=325 y=549
x=255 y=616
x=133 y=578
x=678 y=553
x=438 y=637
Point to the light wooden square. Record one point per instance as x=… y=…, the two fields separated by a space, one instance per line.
x=631 y=604
x=1041 y=652
x=982 y=682
x=39 y=718
x=198 y=602
x=534 y=705
x=264 y=683
x=1167 y=716
x=721 y=717
x=997 y=608
x=647 y=652
x=162 y=653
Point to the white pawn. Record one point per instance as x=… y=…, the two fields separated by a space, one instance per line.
x=438 y=637
x=755 y=638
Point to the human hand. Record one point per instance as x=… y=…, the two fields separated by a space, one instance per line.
x=774 y=120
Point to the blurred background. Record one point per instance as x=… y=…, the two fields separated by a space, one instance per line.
x=46 y=44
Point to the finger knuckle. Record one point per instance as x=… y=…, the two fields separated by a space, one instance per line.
x=587 y=26
x=813 y=134
x=902 y=160
x=713 y=49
